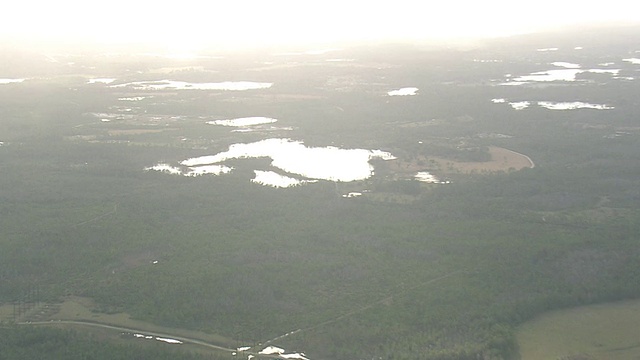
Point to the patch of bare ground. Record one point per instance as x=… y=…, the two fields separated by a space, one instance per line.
x=6 y=313
x=502 y=160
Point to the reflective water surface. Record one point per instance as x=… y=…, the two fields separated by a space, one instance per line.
x=246 y=121
x=408 y=91
x=301 y=164
x=572 y=105
x=183 y=85
x=10 y=81
x=322 y=163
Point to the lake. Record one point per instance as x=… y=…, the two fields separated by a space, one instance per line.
x=301 y=164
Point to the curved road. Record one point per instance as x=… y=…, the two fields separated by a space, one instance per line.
x=521 y=154
x=123 y=329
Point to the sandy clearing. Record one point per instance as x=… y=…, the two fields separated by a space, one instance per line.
x=502 y=160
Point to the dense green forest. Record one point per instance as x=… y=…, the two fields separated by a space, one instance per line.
x=408 y=270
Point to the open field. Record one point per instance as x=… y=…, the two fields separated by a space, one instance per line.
x=502 y=160
x=596 y=332
x=6 y=313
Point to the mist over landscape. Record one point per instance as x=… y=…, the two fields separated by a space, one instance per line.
x=414 y=194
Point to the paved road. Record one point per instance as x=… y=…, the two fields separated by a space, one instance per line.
x=123 y=329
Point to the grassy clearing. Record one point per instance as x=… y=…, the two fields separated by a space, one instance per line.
x=598 y=332
x=6 y=313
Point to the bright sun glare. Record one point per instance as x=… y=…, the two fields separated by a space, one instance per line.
x=189 y=24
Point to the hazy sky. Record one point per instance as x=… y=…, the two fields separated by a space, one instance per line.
x=188 y=24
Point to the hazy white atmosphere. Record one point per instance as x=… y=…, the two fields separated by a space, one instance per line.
x=189 y=25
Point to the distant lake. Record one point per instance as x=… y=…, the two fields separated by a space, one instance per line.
x=10 y=81
x=183 y=85
x=101 y=81
x=551 y=105
x=551 y=75
x=569 y=73
x=407 y=91
x=572 y=105
x=246 y=121
x=427 y=177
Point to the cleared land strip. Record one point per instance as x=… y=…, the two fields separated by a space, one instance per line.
x=115 y=210
x=367 y=306
x=124 y=329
